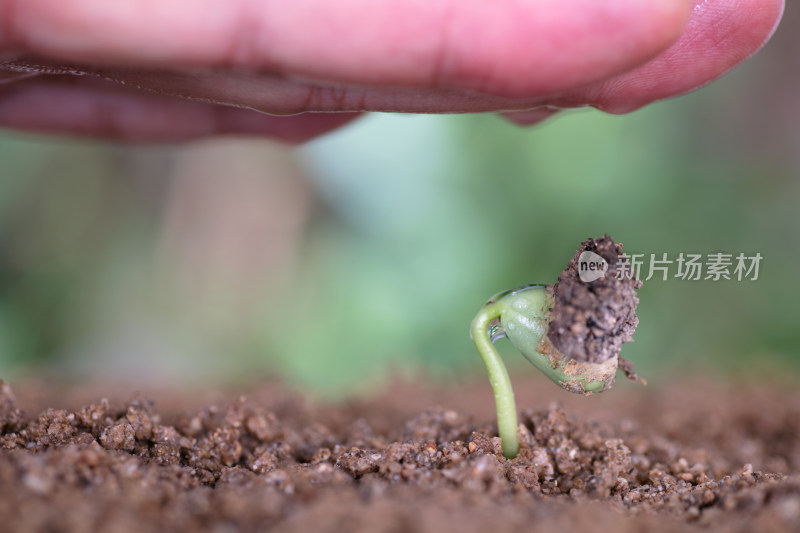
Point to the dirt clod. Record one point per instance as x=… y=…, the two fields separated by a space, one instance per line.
x=591 y=320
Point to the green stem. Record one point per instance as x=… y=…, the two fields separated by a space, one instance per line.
x=498 y=377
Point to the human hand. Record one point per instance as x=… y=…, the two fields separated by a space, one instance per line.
x=159 y=70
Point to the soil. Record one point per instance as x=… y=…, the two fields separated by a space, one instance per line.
x=415 y=457
x=591 y=320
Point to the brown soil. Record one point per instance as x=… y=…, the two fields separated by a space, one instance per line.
x=413 y=458
x=590 y=321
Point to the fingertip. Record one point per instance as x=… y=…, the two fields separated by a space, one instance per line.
x=771 y=12
x=559 y=45
x=720 y=35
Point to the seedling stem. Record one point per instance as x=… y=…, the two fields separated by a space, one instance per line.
x=498 y=377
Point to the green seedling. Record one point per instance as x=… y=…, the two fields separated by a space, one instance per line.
x=600 y=316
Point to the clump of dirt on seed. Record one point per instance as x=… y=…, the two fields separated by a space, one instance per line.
x=591 y=320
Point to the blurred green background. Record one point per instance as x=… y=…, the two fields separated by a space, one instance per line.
x=367 y=252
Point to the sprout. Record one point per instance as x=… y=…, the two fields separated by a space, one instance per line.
x=572 y=331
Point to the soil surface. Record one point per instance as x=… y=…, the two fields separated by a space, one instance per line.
x=591 y=320
x=413 y=457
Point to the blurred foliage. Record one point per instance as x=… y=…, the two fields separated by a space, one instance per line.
x=368 y=251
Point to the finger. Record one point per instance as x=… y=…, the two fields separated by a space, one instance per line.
x=720 y=35
x=515 y=48
x=88 y=109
